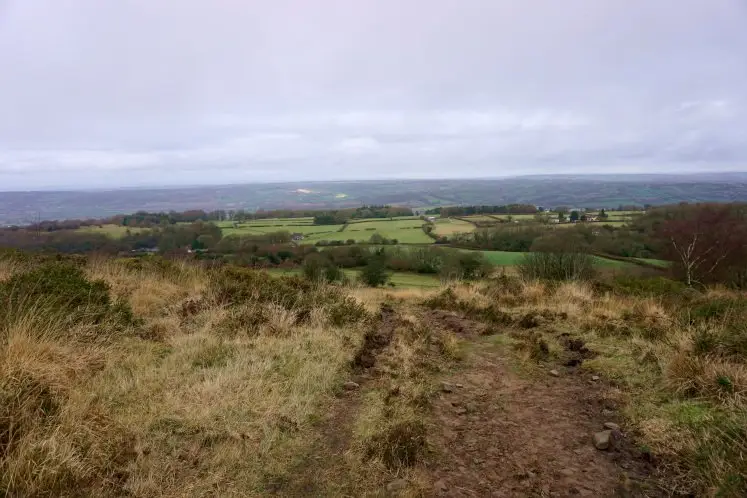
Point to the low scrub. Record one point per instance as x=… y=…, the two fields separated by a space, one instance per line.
x=557 y=266
x=234 y=286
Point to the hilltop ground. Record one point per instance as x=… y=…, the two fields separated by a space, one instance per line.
x=184 y=381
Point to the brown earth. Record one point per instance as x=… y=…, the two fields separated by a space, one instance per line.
x=499 y=434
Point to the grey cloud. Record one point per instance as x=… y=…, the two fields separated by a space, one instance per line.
x=139 y=92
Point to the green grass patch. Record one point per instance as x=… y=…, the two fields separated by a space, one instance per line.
x=113 y=231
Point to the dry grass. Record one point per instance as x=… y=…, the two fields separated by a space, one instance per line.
x=202 y=397
x=187 y=412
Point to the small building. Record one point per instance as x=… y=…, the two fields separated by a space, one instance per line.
x=430 y=219
x=297 y=237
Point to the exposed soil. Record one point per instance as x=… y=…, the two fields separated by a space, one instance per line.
x=455 y=322
x=376 y=340
x=501 y=435
x=492 y=431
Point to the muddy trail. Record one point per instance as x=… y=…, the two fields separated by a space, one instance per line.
x=492 y=430
x=498 y=434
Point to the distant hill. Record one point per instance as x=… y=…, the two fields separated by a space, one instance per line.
x=607 y=191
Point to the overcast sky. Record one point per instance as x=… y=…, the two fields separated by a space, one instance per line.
x=160 y=92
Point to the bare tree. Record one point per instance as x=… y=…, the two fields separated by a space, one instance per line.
x=704 y=240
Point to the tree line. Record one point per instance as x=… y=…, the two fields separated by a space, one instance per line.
x=473 y=210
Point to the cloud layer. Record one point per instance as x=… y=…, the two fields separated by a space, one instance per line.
x=154 y=93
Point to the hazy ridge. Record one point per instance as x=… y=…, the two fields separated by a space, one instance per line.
x=593 y=191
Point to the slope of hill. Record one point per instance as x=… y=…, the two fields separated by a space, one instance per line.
x=583 y=191
x=151 y=378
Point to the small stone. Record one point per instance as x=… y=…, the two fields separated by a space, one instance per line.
x=351 y=386
x=460 y=386
x=611 y=426
x=440 y=487
x=471 y=407
x=595 y=378
x=446 y=387
x=554 y=373
x=567 y=472
x=603 y=440
x=396 y=485
x=460 y=410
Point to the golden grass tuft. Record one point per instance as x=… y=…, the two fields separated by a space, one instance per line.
x=708 y=377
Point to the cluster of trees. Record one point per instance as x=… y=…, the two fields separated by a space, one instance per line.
x=707 y=243
x=375 y=239
x=515 y=238
x=472 y=210
x=140 y=219
x=341 y=216
x=448 y=263
x=167 y=238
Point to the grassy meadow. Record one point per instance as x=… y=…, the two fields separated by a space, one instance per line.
x=154 y=378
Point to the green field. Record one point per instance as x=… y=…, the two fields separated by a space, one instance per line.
x=656 y=262
x=309 y=231
x=113 y=231
x=406 y=231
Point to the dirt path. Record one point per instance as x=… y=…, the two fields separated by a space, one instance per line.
x=499 y=434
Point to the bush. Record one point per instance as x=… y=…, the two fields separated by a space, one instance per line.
x=556 y=266
x=637 y=286
x=374 y=273
x=235 y=286
x=63 y=291
x=317 y=268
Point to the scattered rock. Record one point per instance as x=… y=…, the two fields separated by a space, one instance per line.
x=611 y=426
x=603 y=440
x=351 y=386
x=595 y=378
x=471 y=407
x=396 y=485
x=554 y=373
x=440 y=487
x=460 y=410
x=460 y=386
x=568 y=472
x=446 y=387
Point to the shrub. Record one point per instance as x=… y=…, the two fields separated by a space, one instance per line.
x=374 y=273
x=63 y=291
x=556 y=266
x=400 y=445
x=235 y=286
x=637 y=286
